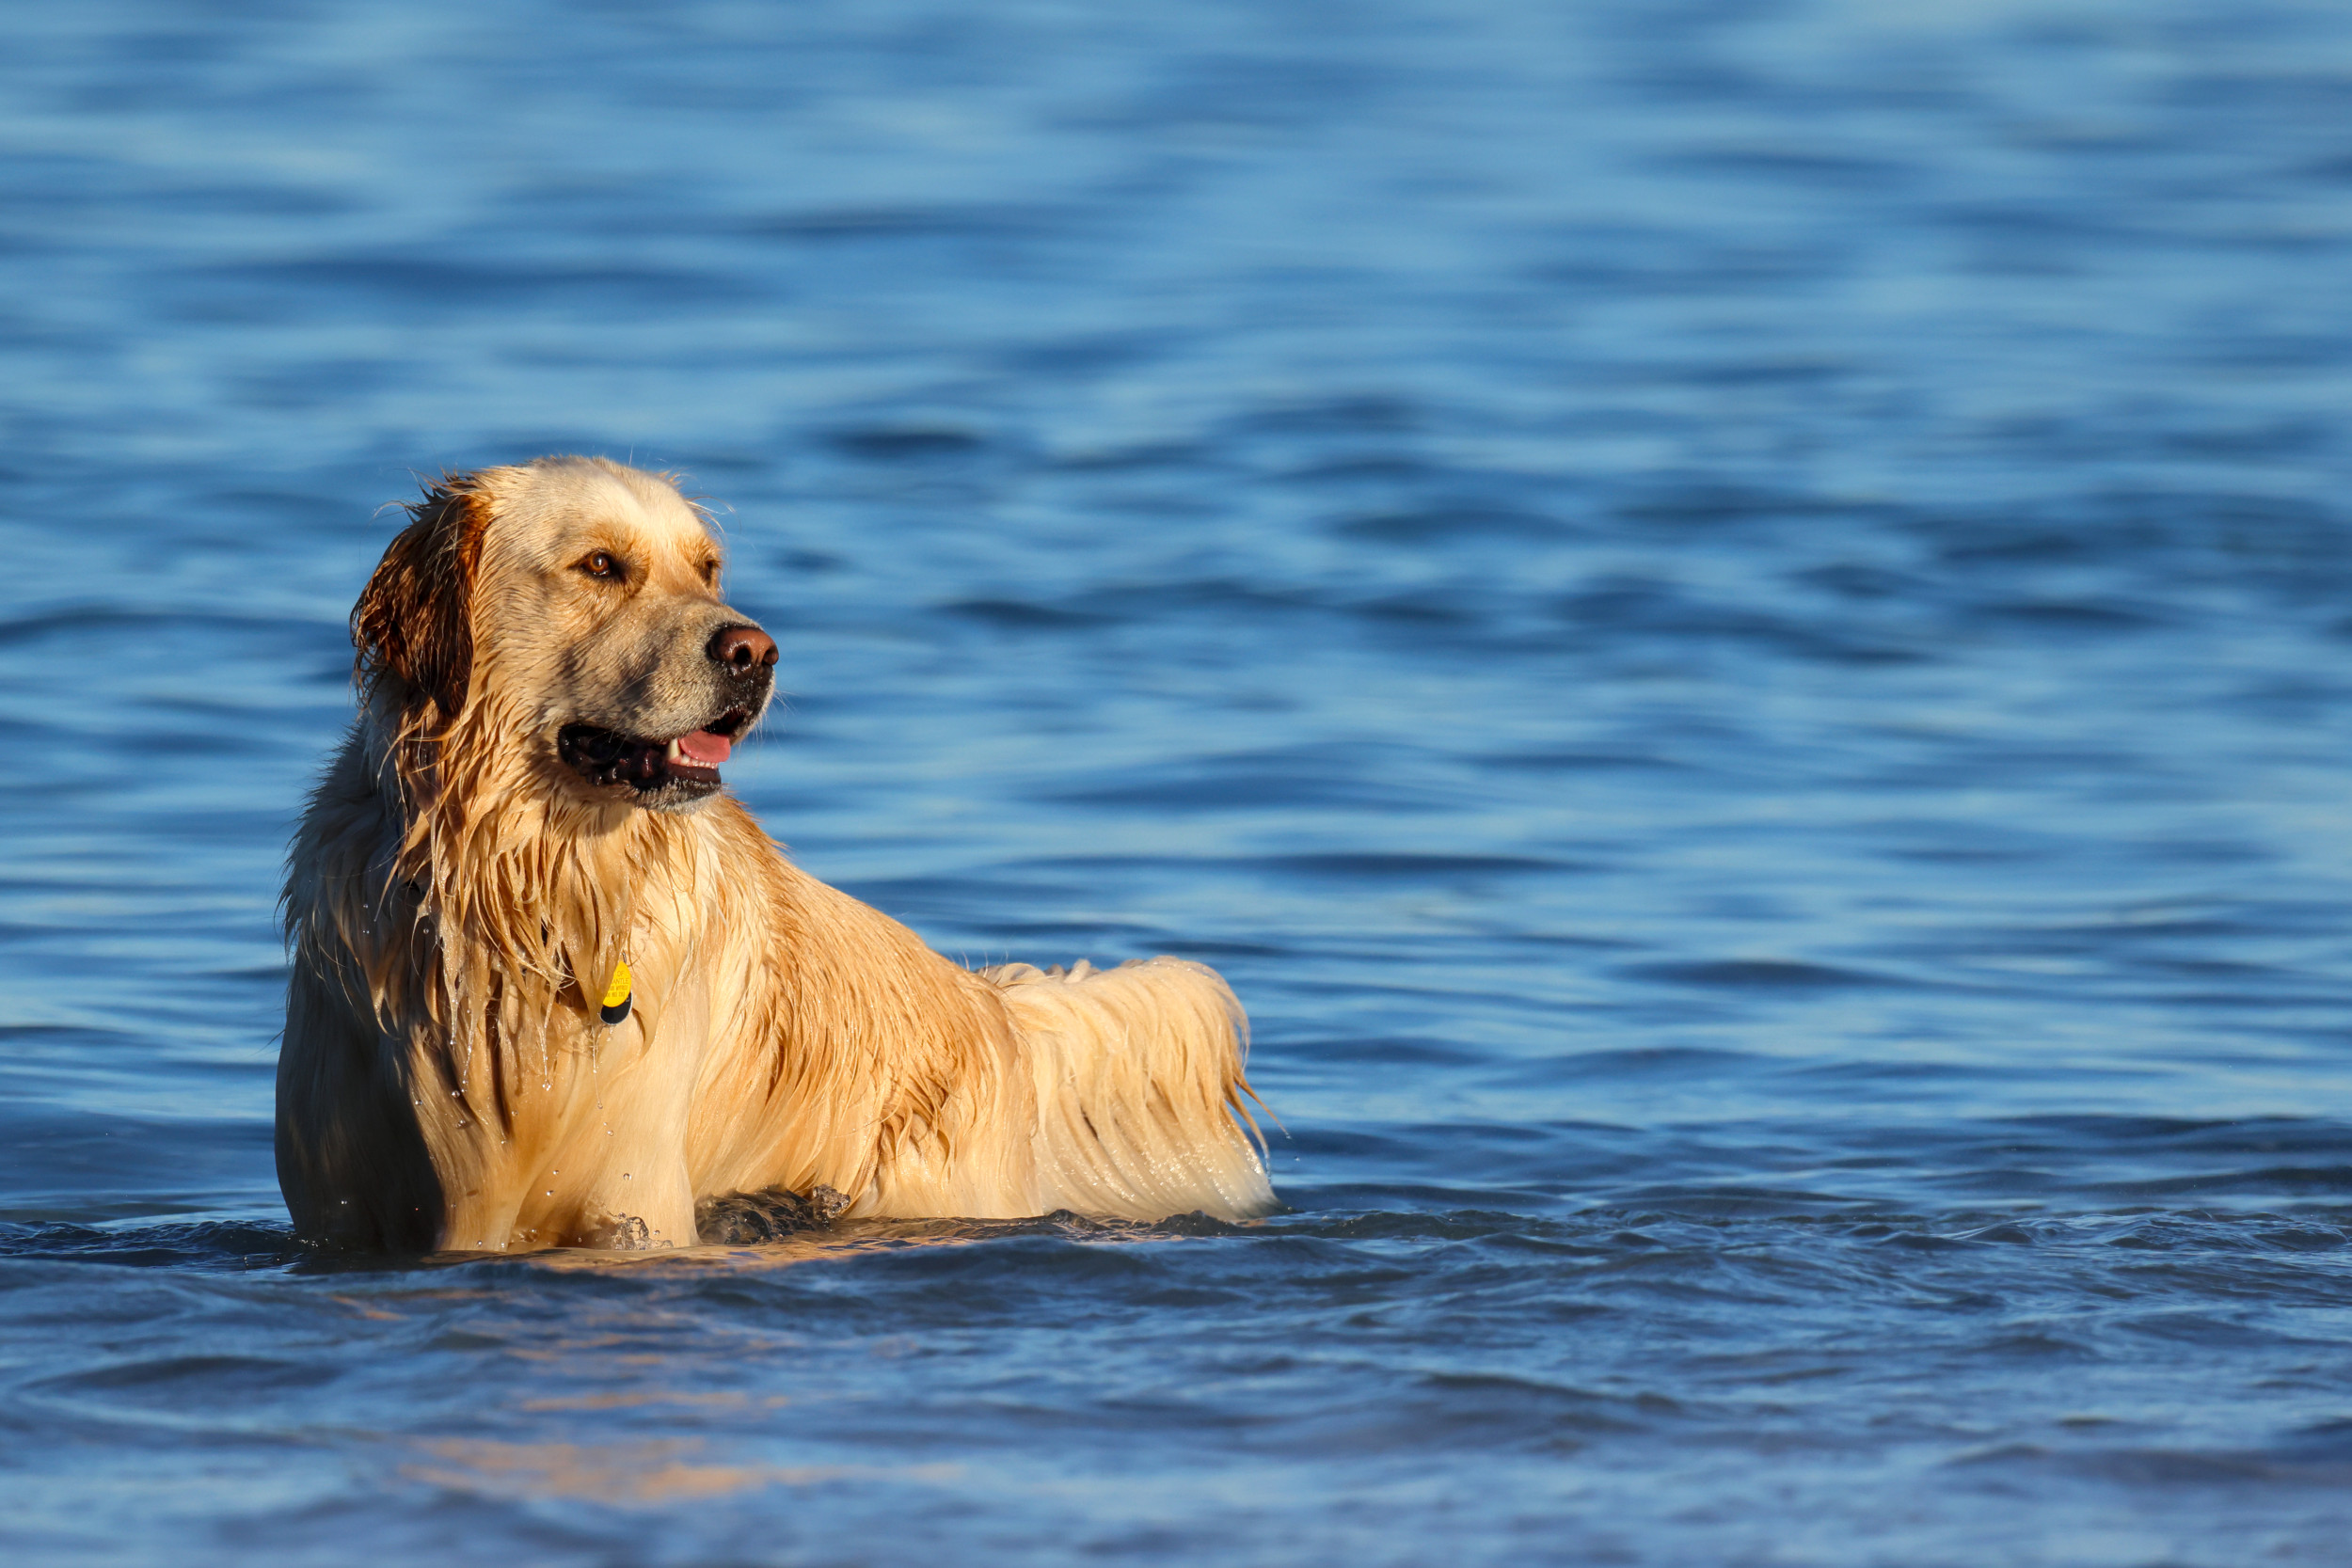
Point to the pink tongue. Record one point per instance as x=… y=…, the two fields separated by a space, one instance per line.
x=703 y=747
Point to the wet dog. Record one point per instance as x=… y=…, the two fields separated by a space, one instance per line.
x=552 y=986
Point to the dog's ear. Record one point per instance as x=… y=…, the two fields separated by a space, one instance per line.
x=414 y=620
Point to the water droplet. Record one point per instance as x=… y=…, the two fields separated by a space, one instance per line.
x=550 y=1192
x=624 y=1175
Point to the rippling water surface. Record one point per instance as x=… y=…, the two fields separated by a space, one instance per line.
x=1732 y=619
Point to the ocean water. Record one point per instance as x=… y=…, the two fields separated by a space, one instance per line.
x=1734 y=620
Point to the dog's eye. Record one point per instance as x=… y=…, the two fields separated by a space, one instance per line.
x=602 y=566
x=710 y=571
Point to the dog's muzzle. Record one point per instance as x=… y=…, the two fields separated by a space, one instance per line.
x=667 y=771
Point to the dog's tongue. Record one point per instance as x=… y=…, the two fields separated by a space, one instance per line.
x=703 y=747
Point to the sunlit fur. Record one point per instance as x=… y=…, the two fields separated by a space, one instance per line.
x=456 y=897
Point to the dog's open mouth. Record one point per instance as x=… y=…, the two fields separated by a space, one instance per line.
x=684 y=764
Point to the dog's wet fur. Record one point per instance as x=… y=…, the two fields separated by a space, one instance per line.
x=533 y=795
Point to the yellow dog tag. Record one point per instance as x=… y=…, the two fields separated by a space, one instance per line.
x=618 y=996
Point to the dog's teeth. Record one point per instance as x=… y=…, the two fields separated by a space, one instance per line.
x=674 y=754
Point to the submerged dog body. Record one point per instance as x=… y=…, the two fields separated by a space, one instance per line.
x=526 y=825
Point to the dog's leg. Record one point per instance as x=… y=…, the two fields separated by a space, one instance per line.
x=632 y=1189
x=659 y=1216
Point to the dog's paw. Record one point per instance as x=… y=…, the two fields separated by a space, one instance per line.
x=753 y=1219
x=625 y=1233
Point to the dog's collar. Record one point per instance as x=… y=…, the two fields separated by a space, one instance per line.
x=619 y=996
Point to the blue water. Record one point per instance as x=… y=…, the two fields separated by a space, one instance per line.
x=1734 y=620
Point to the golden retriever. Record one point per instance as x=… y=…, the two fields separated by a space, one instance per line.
x=552 y=986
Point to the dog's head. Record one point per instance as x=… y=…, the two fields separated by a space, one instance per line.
x=574 y=603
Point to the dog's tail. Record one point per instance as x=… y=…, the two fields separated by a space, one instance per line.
x=1140 y=1095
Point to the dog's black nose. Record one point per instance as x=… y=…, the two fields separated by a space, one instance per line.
x=741 y=649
